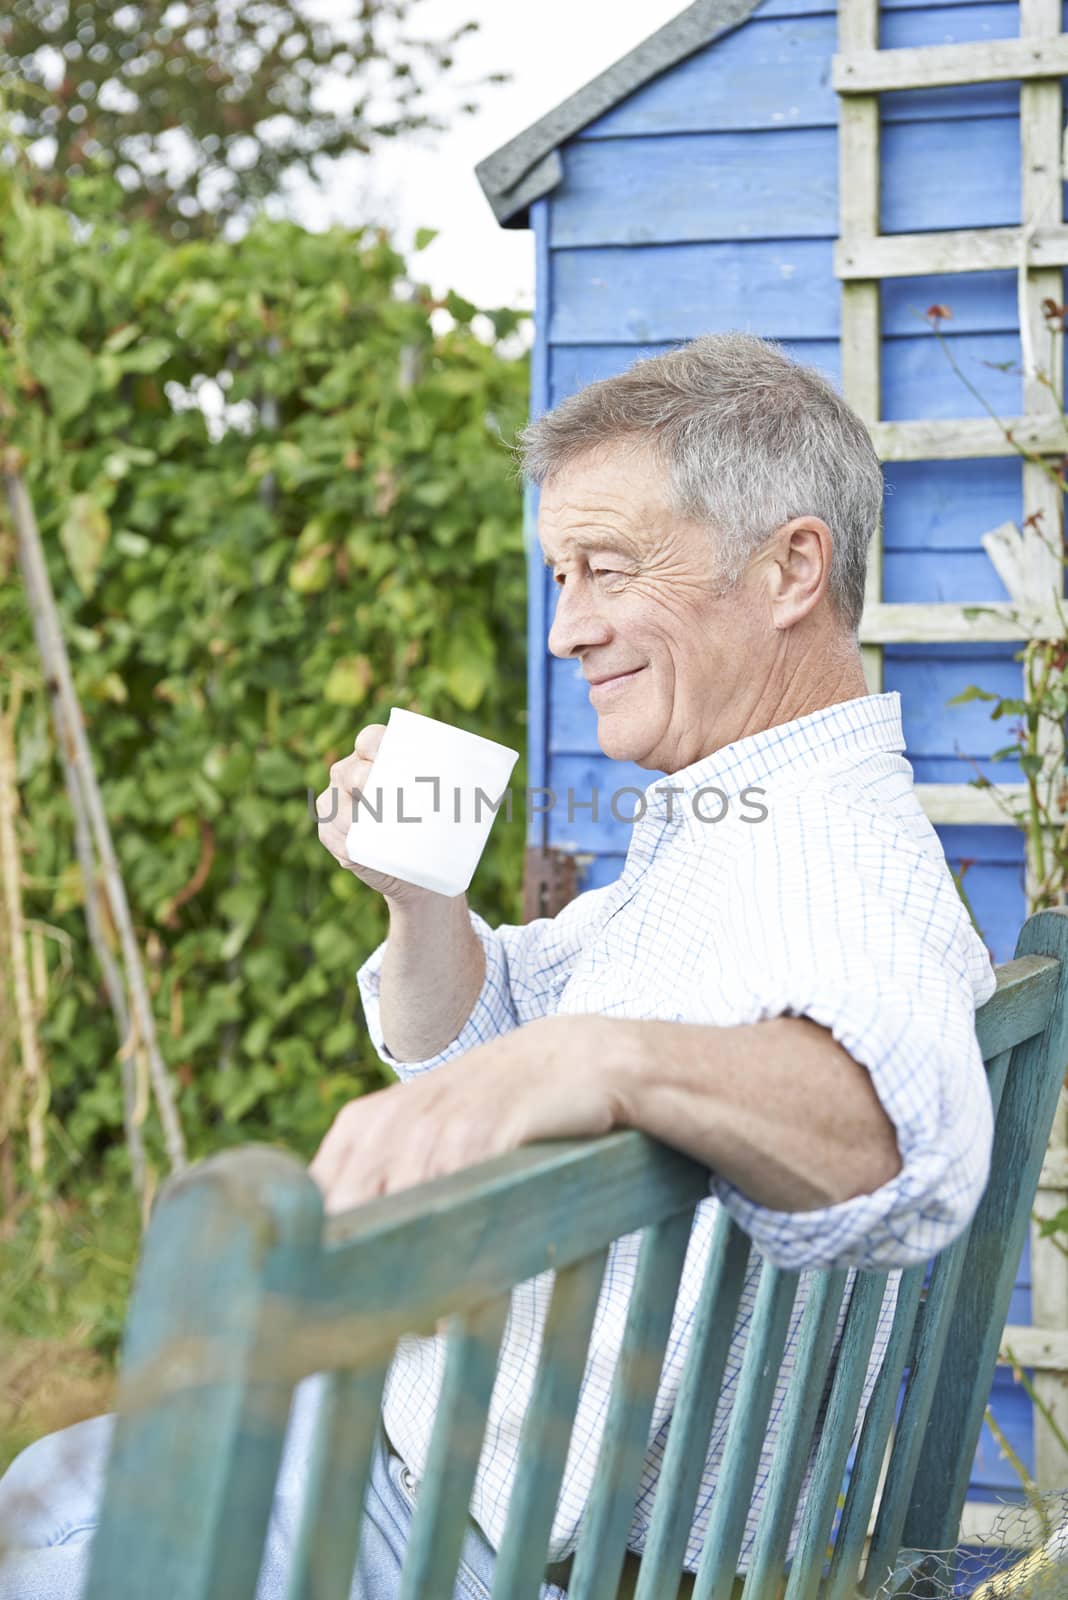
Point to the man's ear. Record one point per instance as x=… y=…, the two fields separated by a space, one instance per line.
x=799 y=569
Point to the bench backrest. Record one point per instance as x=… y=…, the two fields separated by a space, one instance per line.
x=241 y=1292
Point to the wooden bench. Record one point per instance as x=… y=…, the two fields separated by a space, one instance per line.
x=242 y=1291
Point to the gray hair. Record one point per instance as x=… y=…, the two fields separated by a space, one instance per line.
x=749 y=439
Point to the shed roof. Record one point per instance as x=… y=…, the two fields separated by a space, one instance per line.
x=529 y=166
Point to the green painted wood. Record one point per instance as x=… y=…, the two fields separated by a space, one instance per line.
x=547 y=1430
x=1020 y=1006
x=915 y=1411
x=911 y=1306
x=807 y=1387
x=875 y=1434
x=934 y=1316
x=324 y=1557
x=745 y=1432
x=396 y=1266
x=996 y=1239
x=832 y=1452
x=603 y=1539
x=440 y=1518
x=239 y=1295
x=198 y=1440
x=695 y=1410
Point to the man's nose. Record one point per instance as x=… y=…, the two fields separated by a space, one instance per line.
x=577 y=625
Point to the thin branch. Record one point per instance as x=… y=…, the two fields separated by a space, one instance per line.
x=109 y=970
x=34 y=1077
x=1027 y=1483
x=85 y=795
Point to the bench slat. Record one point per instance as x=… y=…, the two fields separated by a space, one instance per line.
x=916 y=1408
x=199 y=1435
x=603 y=1539
x=879 y=1418
x=746 y=1432
x=440 y=1518
x=347 y=1425
x=862 y=1321
x=807 y=1388
x=926 y=1366
x=1020 y=1006
x=403 y=1262
x=695 y=1410
x=875 y=1434
x=547 y=1430
x=998 y=1232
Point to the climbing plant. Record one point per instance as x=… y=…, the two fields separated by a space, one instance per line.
x=274 y=484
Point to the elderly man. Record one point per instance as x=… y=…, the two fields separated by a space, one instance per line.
x=787 y=995
x=785 y=990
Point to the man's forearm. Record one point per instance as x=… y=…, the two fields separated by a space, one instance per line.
x=777 y=1108
x=432 y=973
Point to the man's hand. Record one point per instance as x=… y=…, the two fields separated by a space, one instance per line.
x=334 y=808
x=537 y=1082
x=777 y=1108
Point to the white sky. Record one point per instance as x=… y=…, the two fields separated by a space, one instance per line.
x=550 y=48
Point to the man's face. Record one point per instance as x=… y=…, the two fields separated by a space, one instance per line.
x=638 y=605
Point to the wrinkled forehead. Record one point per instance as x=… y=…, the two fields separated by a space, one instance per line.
x=608 y=498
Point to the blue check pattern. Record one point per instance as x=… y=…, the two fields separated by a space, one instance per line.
x=836 y=904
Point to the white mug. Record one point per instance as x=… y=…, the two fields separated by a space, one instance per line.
x=431 y=797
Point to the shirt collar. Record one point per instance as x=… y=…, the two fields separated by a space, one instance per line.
x=870 y=722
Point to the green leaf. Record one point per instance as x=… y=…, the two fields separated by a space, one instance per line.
x=1058 y=1223
x=458 y=307
x=424 y=237
x=84 y=536
x=146 y=357
x=132 y=544
x=255 y=1039
x=970 y=693
x=312 y=573
x=349 y=682
x=468 y=667
x=433 y=494
x=66 y=369
x=123 y=336
x=1009 y=708
x=340 y=1040
x=278 y=773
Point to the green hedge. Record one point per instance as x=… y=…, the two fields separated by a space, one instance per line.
x=240 y=595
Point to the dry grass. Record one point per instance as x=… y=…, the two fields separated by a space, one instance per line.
x=47 y=1384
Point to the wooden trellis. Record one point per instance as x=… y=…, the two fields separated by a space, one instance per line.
x=1029 y=567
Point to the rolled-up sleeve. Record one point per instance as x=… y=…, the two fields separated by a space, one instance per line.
x=877 y=948
x=494 y=1012
x=527 y=968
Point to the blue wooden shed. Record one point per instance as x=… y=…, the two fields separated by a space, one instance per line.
x=822 y=176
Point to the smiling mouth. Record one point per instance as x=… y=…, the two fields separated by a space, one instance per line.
x=619 y=678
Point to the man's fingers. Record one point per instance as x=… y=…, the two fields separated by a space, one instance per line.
x=329 y=805
x=368 y=740
x=329 y=1159
x=348 y=774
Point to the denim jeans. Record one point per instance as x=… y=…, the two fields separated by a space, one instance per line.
x=50 y=1494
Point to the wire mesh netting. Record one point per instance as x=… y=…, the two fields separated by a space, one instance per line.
x=1023 y=1555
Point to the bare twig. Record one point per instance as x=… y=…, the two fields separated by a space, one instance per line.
x=1027 y=1483
x=109 y=969
x=85 y=793
x=1029 y=1390
x=34 y=1077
